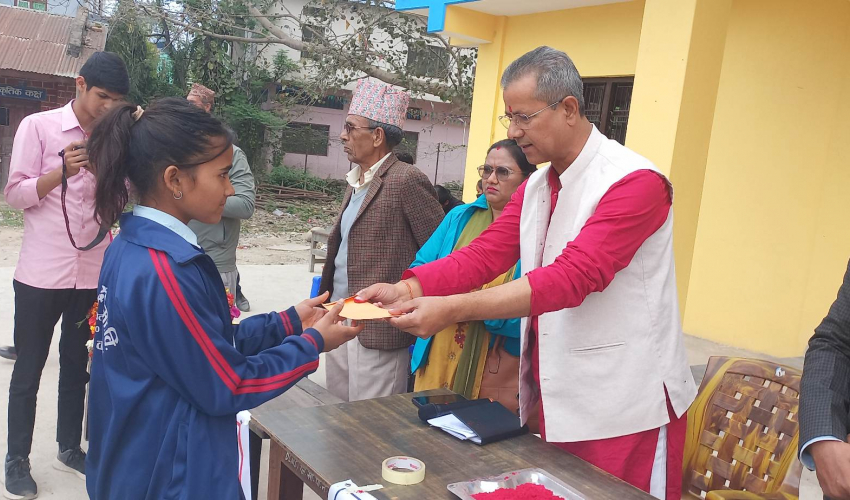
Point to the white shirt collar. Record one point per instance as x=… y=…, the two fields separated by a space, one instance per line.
x=353 y=175
x=168 y=221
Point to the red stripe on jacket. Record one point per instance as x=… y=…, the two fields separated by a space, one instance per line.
x=230 y=378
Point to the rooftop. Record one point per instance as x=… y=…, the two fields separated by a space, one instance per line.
x=38 y=42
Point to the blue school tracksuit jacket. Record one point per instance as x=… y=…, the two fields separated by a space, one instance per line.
x=169 y=371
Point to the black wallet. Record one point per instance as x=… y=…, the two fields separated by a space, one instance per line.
x=488 y=419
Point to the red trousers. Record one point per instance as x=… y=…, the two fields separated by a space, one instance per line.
x=631 y=458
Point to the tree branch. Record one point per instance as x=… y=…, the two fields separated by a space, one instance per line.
x=369 y=69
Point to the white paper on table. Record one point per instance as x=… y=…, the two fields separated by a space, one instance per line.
x=455 y=427
x=243 y=418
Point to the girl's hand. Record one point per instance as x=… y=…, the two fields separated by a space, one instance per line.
x=310 y=311
x=333 y=331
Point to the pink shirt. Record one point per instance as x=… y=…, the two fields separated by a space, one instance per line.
x=48 y=260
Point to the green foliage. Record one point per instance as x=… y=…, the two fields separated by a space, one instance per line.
x=241 y=81
x=9 y=217
x=129 y=38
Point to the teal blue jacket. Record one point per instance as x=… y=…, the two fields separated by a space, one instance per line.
x=440 y=244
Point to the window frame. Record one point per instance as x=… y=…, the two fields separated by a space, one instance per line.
x=607 y=98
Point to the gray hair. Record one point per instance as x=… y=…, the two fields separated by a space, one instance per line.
x=393 y=134
x=557 y=76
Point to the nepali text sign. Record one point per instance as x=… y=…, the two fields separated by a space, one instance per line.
x=23 y=93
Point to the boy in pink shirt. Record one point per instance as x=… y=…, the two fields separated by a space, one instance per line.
x=54 y=278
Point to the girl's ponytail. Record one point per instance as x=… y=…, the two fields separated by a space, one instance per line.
x=108 y=148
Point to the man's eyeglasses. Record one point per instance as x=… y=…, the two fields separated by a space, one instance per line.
x=349 y=127
x=523 y=121
x=502 y=173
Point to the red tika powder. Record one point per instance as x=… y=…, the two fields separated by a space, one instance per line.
x=527 y=491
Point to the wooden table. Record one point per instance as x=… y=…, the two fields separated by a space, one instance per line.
x=305 y=394
x=323 y=445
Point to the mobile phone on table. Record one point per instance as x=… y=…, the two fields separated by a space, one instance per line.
x=443 y=399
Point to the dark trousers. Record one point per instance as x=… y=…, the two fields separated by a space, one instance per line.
x=37 y=310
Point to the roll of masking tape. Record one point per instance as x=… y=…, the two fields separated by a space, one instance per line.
x=403 y=470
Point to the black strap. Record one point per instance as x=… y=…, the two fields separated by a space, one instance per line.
x=103 y=230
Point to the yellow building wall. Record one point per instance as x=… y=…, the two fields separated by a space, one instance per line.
x=602 y=41
x=773 y=238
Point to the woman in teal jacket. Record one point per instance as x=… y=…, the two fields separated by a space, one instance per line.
x=476 y=359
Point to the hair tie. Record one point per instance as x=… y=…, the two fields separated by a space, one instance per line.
x=138 y=113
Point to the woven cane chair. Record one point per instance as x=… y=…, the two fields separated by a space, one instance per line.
x=743 y=433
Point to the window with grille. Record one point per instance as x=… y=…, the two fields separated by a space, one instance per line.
x=607 y=102
x=427 y=61
x=306 y=139
x=410 y=144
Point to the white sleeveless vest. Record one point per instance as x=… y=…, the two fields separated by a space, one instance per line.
x=604 y=365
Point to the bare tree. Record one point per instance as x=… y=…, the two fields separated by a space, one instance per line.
x=340 y=40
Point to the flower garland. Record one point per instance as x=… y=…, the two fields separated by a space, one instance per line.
x=92 y=320
x=231 y=302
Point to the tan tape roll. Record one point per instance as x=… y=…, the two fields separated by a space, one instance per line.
x=403 y=470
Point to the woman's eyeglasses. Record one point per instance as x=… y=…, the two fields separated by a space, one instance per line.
x=502 y=173
x=523 y=121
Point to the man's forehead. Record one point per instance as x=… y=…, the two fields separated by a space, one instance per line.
x=113 y=95
x=521 y=92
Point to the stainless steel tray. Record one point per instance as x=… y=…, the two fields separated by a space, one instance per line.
x=512 y=479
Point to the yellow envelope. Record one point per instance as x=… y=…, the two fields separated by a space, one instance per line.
x=359 y=311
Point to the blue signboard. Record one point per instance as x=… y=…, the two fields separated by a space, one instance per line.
x=22 y=92
x=436 y=10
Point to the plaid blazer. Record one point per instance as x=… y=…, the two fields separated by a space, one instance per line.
x=398 y=215
x=825 y=386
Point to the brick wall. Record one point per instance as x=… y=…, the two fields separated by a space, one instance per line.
x=59 y=91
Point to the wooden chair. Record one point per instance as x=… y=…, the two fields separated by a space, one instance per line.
x=743 y=432
x=317 y=255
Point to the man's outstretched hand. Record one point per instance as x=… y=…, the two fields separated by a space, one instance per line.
x=384 y=294
x=423 y=317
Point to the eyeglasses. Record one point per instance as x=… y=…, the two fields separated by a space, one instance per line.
x=523 y=121
x=349 y=127
x=502 y=173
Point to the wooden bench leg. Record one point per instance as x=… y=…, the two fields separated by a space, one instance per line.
x=291 y=485
x=283 y=483
x=256 y=450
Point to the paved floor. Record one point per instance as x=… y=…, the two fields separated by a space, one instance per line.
x=268 y=288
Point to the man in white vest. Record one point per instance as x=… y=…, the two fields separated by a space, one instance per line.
x=602 y=346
